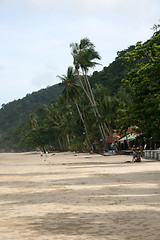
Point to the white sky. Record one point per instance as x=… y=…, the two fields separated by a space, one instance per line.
x=35 y=36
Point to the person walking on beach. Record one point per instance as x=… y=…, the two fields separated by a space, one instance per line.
x=41 y=154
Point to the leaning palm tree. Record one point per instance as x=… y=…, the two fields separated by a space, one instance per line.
x=84 y=56
x=107 y=104
x=72 y=92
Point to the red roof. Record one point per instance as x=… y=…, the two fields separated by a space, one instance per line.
x=117 y=134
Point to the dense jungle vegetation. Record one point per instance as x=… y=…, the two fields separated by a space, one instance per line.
x=86 y=109
x=14 y=114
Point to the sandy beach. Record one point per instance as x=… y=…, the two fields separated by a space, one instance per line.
x=69 y=196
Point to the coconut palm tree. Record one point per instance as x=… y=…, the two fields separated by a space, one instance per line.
x=107 y=105
x=72 y=92
x=84 y=56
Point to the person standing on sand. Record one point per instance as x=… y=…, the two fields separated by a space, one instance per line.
x=41 y=154
x=134 y=153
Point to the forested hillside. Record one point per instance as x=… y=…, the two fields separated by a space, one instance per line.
x=111 y=76
x=15 y=113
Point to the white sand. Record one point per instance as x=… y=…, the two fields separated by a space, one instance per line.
x=78 y=196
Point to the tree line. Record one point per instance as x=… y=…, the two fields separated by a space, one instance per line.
x=14 y=114
x=124 y=94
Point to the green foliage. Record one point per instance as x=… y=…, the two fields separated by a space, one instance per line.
x=144 y=84
x=72 y=88
x=47 y=121
x=15 y=113
x=111 y=76
x=84 y=54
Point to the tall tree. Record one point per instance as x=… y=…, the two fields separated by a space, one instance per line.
x=72 y=92
x=84 y=56
x=144 y=82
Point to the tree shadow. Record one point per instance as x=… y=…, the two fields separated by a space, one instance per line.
x=114 y=225
x=109 y=189
x=106 y=191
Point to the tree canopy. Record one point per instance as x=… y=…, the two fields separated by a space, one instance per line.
x=143 y=84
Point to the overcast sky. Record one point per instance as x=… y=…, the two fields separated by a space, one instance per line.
x=35 y=36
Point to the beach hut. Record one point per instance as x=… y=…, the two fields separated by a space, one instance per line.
x=128 y=139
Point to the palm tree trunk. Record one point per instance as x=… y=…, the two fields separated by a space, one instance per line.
x=84 y=125
x=59 y=142
x=90 y=89
x=111 y=135
x=87 y=87
x=96 y=109
x=127 y=140
x=109 y=131
x=67 y=136
x=92 y=104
